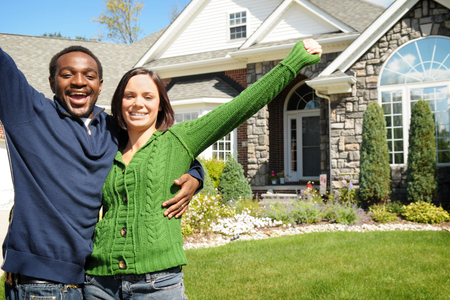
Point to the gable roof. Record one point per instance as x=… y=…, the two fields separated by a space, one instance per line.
x=32 y=55
x=263 y=43
x=371 y=35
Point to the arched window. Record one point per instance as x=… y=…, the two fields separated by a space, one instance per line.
x=418 y=70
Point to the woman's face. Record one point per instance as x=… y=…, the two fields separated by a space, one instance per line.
x=140 y=104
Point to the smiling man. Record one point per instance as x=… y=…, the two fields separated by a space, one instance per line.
x=60 y=153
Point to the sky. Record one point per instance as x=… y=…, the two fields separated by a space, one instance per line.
x=73 y=18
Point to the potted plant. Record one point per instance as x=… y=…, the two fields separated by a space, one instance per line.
x=282 y=177
x=272 y=177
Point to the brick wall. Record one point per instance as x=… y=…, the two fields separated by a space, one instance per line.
x=166 y=81
x=239 y=76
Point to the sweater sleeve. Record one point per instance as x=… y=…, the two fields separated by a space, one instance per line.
x=18 y=100
x=199 y=134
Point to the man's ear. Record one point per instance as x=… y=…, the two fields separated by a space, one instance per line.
x=52 y=83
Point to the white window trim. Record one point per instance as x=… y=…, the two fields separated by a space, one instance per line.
x=240 y=25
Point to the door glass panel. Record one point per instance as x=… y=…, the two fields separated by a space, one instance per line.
x=311 y=146
x=293 y=146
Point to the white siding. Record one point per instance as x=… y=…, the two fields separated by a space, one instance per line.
x=297 y=22
x=208 y=30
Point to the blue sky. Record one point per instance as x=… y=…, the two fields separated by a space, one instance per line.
x=73 y=18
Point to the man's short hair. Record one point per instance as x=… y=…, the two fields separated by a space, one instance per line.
x=52 y=65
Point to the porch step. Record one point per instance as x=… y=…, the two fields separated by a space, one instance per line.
x=269 y=198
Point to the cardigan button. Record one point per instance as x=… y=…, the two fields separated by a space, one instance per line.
x=122 y=265
x=123 y=232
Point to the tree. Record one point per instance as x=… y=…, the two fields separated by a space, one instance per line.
x=121 y=19
x=233 y=184
x=421 y=175
x=176 y=9
x=375 y=172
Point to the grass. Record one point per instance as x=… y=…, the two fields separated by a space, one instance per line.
x=339 y=265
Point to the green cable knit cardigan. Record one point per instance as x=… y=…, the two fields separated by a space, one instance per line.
x=134 y=237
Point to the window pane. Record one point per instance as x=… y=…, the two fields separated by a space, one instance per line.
x=388 y=121
x=390 y=146
x=398 y=133
x=294 y=145
x=399 y=158
x=386 y=108
x=398 y=145
x=443 y=157
x=443 y=144
x=389 y=134
x=397 y=108
x=398 y=120
x=442 y=131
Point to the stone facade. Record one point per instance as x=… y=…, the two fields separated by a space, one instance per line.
x=259 y=139
x=425 y=18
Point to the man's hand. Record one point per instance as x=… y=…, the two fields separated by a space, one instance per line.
x=178 y=204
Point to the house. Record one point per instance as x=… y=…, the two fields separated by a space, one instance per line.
x=217 y=48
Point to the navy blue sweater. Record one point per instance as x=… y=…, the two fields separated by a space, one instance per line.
x=58 y=170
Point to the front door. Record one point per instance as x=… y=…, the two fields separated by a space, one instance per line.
x=304 y=145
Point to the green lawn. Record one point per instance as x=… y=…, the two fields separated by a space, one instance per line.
x=339 y=265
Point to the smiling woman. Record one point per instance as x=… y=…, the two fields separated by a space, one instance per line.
x=148 y=252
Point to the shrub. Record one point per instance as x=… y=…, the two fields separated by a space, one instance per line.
x=208 y=186
x=381 y=214
x=424 y=212
x=299 y=212
x=215 y=168
x=233 y=184
x=343 y=213
x=395 y=207
x=421 y=174
x=251 y=206
x=375 y=172
x=202 y=211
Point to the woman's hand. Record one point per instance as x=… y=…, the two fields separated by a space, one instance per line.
x=312 y=47
x=179 y=203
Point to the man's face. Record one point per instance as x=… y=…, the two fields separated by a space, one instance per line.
x=77 y=84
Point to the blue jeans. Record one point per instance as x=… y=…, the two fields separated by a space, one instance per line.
x=166 y=284
x=42 y=291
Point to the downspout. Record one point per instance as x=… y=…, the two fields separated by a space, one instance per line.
x=329 y=134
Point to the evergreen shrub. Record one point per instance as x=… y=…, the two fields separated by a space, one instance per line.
x=424 y=212
x=233 y=184
x=421 y=174
x=375 y=172
x=215 y=169
x=208 y=186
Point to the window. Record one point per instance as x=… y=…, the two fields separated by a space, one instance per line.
x=219 y=149
x=238 y=27
x=222 y=147
x=181 y=117
x=418 y=70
